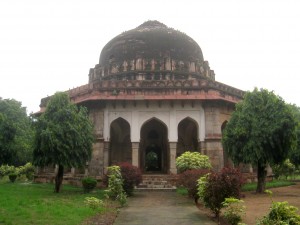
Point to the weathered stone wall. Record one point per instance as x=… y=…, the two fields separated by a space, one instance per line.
x=96 y=165
x=152 y=65
x=202 y=121
x=215 y=115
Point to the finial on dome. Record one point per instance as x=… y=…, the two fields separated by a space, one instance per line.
x=152 y=23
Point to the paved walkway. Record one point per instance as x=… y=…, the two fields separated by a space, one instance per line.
x=161 y=208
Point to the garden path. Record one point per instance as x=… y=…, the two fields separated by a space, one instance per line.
x=161 y=208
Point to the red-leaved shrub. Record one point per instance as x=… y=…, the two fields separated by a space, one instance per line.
x=224 y=184
x=189 y=178
x=131 y=175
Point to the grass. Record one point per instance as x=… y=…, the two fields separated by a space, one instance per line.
x=28 y=203
x=182 y=191
x=270 y=184
x=291 y=177
x=249 y=186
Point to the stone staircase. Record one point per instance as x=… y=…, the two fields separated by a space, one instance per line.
x=157 y=182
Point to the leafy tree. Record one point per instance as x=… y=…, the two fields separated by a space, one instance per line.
x=7 y=137
x=64 y=136
x=261 y=131
x=16 y=133
x=295 y=153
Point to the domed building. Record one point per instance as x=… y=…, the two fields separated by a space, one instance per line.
x=152 y=97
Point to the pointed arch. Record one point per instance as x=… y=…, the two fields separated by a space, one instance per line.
x=154 y=146
x=223 y=125
x=188 y=133
x=154 y=119
x=120 y=141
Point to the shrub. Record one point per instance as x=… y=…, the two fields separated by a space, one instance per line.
x=27 y=170
x=285 y=169
x=131 y=175
x=6 y=170
x=281 y=213
x=189 y=178
x=93 y=203
x=192 y=160
x=13 y=177
x=233 y=210
x=215 y=187
x=88 y=184
x=115 y=185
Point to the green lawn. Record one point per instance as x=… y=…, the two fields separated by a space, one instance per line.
x=27 y=203
x=249 y=186
x=270 y=184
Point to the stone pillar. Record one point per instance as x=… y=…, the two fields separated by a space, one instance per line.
x=73 y=171
x=201 y=147
x=95 y=165
x=86 y=170
x=269 y=170
x=56 y=169
x=135 y=154
x=105 y=157
x=250 y=168
x=172 y=163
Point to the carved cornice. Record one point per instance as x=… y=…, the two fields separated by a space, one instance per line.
x=153 y=89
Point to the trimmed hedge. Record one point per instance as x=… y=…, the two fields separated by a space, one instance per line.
x=12 y=177
x=88 y=184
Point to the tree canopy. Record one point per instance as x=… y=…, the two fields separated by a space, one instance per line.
x=64 y=136
x=261 y=131
x=295 y=153
x=16 y=133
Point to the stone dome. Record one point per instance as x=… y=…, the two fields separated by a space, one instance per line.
x=151 y=40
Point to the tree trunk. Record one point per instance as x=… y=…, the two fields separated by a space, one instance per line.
x=59 y=178
x=261 y=177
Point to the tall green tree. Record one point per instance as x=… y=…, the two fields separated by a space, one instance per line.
x=16 y=133
x=64 y=136
x=295 y=153
x=261 y=131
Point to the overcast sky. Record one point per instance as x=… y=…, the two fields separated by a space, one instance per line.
x=48 y=46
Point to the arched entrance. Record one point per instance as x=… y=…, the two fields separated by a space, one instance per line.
x=154 y=147
x=187 y=136
x=120 y=143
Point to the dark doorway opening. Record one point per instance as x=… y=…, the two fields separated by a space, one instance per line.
x=120 y=143
x=153 y=159
x=187 y=136
x=154 y=147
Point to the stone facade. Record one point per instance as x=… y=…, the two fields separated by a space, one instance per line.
x=151 y=102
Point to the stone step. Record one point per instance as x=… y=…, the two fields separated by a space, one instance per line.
x=157 y=182
x=155 y=189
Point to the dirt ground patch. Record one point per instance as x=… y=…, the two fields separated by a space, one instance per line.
x=257 y=205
